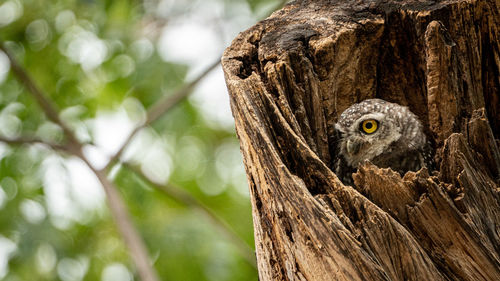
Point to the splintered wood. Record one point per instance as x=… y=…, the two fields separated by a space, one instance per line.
x=289 y=78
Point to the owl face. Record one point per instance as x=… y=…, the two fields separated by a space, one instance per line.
x=387 y=134
x=367 y=137
x=374 y=127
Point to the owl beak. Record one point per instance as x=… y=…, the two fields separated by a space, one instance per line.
x=353 y=147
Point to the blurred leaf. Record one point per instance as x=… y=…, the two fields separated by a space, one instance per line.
x=93 y=57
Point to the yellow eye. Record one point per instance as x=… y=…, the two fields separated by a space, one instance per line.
x=369 y=126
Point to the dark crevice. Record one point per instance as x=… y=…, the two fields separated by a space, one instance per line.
x=248 y=64
x=401 y=67
x=287 y=227
x=490 y=81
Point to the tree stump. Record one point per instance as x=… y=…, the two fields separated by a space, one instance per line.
x=289 y=78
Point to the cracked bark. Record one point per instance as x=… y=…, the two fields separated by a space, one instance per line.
x=289 y=78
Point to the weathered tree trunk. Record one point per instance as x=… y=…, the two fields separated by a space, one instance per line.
x=291 y=76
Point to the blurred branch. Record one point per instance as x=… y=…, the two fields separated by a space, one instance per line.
x=40 y=97
x=160 y=108
x=130 y=235
x=29 y=140
x=185 y=198
x=167 y=102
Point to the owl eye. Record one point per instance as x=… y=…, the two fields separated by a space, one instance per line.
x=369 y=126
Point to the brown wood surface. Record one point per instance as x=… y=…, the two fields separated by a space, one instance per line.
x=291 y=75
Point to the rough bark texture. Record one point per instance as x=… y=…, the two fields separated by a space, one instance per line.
x=291 y=75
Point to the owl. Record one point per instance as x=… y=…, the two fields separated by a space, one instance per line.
x=387 y=134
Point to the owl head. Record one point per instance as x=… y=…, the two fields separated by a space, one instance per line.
x=375 y=128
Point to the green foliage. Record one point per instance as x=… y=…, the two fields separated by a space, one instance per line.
x=98 y=60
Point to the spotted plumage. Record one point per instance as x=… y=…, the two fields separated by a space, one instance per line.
x=387 y=134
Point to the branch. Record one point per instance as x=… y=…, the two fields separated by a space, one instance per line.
x=41 y=98
x=189 y=200
x=134 y=242
x=132 y=239
x=160 y=108
x=120 y=214
x=167 y=102
x=30 y=140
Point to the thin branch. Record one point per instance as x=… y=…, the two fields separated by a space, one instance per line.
x=167 y=102
x=160 y=108
x=49 y=109
x=189 y=200
x=130 y=235
x=120 y=214
x=30 y=140
x=132 y=238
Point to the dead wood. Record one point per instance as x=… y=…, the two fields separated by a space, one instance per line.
x=291 y=75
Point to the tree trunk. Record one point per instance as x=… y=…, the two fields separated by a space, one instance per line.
x=291 y=75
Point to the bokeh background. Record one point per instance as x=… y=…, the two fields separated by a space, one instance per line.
x=104 y=64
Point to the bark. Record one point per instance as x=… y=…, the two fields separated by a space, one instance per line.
x=289 y=78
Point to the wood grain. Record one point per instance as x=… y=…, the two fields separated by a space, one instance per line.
x=289 y=78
